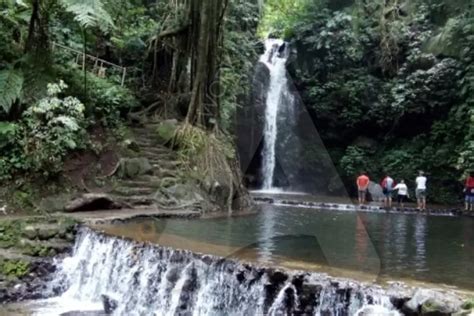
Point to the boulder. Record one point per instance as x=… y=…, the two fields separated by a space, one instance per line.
x=134 y=167
x=166 y=130
x=92 y=202
x=47 y=232
x=185 y=193
x=132 y=145
x=30 y=232
x=110 y=305
x=432 y=303
x=54 y=203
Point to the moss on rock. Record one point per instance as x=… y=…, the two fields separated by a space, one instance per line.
x=166 y=131
x=14 y=268
x=11 y=231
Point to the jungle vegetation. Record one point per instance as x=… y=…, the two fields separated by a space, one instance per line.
x=388 y=83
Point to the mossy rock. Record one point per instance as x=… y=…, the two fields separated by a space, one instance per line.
x=11 y=230
x=166 y=130
x=53 y=204
x=469 y=304
x=46 y=233
x=30 y=232
x=14 y=268
x=35 y=250
x=134 y=167
x=434 y=308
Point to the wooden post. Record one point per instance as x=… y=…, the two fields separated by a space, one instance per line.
x=95 y=64
x=123 y=75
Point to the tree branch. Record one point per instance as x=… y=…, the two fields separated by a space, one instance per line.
x=173 y=32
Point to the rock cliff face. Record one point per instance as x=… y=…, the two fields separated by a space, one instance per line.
x=146 y=279
x=250 y=125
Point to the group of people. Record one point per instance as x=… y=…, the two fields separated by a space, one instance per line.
x=389 y=187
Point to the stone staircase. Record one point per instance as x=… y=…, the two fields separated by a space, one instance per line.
x=143 y=191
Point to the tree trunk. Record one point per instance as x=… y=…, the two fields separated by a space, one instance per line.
x=196 y=104
x=30 y=41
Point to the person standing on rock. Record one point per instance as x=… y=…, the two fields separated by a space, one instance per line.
x=402 y=193
x=388 y=187
x=421 y=191
x=469 y=192
x=362 y=186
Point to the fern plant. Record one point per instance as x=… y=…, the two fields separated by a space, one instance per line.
x=11 y=84
x=89 y=13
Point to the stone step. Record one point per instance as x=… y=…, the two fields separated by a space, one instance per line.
x=15 y=254
x=169 y=161
x=38 y=248
x=164 y=161
x=147 y=178
x=157 y=151
x=147 y=143
x=142 y=184
x=131 y=191
x=135 y=200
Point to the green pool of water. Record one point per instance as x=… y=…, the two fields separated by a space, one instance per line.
x=372 y=246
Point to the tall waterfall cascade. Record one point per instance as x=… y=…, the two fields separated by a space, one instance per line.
x=275 y=57
x=145 y=279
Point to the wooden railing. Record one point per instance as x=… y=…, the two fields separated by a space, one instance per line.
x=99 y=63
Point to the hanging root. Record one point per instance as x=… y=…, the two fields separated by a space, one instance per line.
x=210 y=158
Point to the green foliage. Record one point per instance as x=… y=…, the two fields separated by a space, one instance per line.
x=7 y=133
x=399 y=73
x=106 y=103
x=89 y=13
x=240 y=55
x=11 y=84
x=53 y=127
x=14 y=268
x=356 y=160
x=9 y=236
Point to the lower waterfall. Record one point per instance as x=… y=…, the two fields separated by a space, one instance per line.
x=146 y=279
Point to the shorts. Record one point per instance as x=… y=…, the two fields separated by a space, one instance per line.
x=387 y=193
x=420 y=193
x=470 y=198
x=402 y=198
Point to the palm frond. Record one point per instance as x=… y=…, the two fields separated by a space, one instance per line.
x=11 y=84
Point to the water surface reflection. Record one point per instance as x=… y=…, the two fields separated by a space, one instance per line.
x=378 y=246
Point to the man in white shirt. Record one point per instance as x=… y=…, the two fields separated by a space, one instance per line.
x=421 y=191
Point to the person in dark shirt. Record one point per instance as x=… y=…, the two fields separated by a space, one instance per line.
x=469 y=192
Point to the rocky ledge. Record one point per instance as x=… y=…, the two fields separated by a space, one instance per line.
x=28 y=248
x=363 y=208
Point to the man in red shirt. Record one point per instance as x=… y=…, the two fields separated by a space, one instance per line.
x=469 y=192
x=362 y=186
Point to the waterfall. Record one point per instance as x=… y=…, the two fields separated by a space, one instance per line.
x=146 y=279
x=275 y=57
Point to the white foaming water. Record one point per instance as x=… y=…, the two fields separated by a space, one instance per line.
x=276 y=63
x=146 y=280
x=152 y=280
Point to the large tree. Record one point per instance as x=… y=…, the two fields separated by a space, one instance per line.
x=195 y=34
